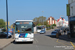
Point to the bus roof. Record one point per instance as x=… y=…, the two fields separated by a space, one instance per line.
x=25 y=20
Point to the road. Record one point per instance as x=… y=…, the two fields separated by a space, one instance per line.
x=41 y=42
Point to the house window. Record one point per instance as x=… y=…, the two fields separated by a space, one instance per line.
x=72 y=10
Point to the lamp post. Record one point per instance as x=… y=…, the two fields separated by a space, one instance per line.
x=43 y=18
x=7 y=15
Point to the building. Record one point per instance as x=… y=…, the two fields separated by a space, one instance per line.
x=51 y=20
x=71 y=16
x=62 y=22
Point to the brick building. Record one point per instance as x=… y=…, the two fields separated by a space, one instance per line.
x=51 y=20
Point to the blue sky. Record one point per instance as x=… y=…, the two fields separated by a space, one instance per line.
x=29 y=9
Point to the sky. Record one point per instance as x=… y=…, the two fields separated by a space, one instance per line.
x=29 y=9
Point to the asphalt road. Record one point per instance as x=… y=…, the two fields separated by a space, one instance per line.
x=41 y=42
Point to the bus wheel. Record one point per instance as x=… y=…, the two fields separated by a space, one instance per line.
x=32 y=42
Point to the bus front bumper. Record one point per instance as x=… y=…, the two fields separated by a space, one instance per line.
x=24 y=39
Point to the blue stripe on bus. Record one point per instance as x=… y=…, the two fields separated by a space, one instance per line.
x=26 y=34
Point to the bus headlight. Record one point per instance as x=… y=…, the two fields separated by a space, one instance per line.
x=16 y=35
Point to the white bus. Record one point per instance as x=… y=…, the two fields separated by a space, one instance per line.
x=39 y=28
x=24 y=31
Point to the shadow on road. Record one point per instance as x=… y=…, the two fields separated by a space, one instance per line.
x=5 y=37
x=22 y=42
x=64 y=37
x=51 y=36
x=2 y=37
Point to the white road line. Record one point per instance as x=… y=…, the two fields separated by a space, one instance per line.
x=36 y=40
x=37 y=47
x=36 y=44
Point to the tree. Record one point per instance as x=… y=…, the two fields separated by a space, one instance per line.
x=39 y=19
x=46 y=23
x=2 y=23
x=38 y=24
x=54 y=25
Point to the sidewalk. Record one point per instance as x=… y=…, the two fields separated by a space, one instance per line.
x=5 y=42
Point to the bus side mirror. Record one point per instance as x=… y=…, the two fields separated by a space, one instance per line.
x=14 y=25
x=33 y=25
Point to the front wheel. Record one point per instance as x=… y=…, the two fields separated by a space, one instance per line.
x=32 y=42
x=15 y=42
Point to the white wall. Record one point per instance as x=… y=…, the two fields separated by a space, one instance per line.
x=50 y=21
x=70 y=1
x=53 y=21
x=72 y=9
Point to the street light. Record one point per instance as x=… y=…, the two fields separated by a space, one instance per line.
x=42 y=15
x=7 y=15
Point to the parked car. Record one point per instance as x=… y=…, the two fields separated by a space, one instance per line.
x=55 y=34
x=42 y=31
x=0 y=30
x=4 y=34
x=58 y=30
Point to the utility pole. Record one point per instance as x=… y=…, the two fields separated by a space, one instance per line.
x=43 y=18
x=7 y=15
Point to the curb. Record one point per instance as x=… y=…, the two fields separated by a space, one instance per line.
x=6 y=45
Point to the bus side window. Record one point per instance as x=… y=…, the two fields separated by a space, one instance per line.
x=33 y=25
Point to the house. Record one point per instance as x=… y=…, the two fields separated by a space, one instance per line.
x=62 y=22
x=51 y=20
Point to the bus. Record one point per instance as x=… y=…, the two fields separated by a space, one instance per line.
x=24 y=31
x=39 y=28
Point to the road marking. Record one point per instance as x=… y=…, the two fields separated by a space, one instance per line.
x=36 y=44
x=36 y=40
x=65 y=44
x=72 y=44
x=60 y=42
x=37 y=47
x=57 y=40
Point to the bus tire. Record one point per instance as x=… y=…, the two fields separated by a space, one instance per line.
x=15 y=42
x=32 y=42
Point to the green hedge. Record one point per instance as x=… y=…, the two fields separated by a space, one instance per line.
x=54 y=25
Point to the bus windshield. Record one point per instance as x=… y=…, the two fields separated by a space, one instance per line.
x=26 y=28
x=39 y=28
